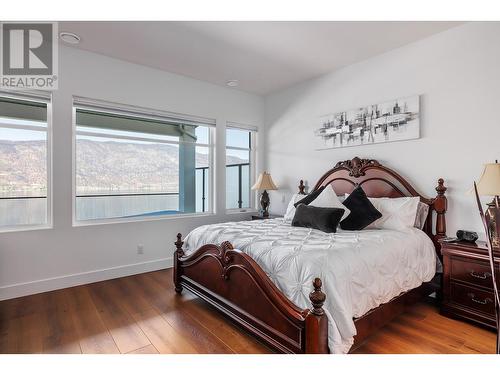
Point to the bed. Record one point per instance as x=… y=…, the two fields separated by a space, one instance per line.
x=300 y=290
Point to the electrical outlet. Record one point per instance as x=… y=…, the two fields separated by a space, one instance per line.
x=140 y=249
x=283 y=198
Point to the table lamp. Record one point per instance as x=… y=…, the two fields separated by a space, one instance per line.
x=489 y=185
x=264 y=182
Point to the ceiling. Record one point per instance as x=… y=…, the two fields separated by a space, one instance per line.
x=263 y=56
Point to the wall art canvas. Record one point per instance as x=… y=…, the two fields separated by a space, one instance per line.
x=390 y=121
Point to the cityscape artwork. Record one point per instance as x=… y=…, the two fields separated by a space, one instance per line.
x=390 y=121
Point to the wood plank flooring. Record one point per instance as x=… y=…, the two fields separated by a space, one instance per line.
x=142 y=314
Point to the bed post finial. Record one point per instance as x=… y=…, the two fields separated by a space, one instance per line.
x=317 y=322
x=178 y=244
x=179 y=253
x=317 y=297
x=302 y=187
x=440 y=206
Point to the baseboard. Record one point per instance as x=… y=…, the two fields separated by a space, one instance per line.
x=66 y=281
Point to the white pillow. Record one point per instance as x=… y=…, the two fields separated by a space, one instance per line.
x=397 y=213
x=290 y=210
x=328 y=198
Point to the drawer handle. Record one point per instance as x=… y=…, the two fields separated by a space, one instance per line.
x=483 y=302
x=484 y=276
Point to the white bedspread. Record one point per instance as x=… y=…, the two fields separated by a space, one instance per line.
x=360 y=270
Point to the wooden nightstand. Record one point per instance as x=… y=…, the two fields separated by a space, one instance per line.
x=258 y=217
x=467 y=283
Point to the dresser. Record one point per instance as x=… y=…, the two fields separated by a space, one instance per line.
x=467 y=283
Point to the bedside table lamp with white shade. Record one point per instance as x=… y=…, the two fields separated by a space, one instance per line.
x=264 y=182
x=489 y=185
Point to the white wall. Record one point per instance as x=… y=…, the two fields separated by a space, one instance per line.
x=457 y=72
x=40 y=260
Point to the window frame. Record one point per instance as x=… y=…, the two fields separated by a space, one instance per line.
x=253 y=130
x=46 y=98
x=146 y=113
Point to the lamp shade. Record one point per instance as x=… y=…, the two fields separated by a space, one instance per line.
x=264 y=182
x=489 y=183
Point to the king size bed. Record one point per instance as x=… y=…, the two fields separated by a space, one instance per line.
x=260 y=273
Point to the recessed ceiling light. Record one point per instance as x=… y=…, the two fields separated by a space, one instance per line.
x=70 y=38
x=232 y=83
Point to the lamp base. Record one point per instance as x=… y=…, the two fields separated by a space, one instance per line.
x=493 y=219
x=264 y=203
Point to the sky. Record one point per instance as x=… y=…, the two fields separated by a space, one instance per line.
x=10 y=134
x=234 y=137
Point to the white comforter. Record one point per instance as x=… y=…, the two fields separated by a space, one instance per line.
x=360 y=270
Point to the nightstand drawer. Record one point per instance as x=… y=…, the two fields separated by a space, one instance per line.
x=474 y=272
x=467 y=283
x=474 y=298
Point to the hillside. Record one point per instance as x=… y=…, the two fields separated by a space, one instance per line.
x=102 y=166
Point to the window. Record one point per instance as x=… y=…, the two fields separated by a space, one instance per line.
x=240 y=162
x=134 y=164
x=24 y=166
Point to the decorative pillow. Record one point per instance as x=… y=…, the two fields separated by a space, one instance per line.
x=329 y=199
x=290 y=211
x=310 y=197
x=363 y=213
x=397 y=213
x=422 y=212
x=322 y=218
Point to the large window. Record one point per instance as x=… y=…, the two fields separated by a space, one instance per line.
x=240 y=161
x=24 y=161
x=135 y=164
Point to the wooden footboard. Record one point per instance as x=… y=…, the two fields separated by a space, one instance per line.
x=237 y=286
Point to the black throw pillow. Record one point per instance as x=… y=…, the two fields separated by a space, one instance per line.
x=363 y=213
x=322 y=218
x=310 y=197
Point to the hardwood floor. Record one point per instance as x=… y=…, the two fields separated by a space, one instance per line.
x=141 y=314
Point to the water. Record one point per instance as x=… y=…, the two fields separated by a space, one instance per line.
x=92 y=208
x=232 y=186
x=23 y=211
x=18 y=212
x=33 y=211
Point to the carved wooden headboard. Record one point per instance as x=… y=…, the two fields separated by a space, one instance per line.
x=379 y=181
